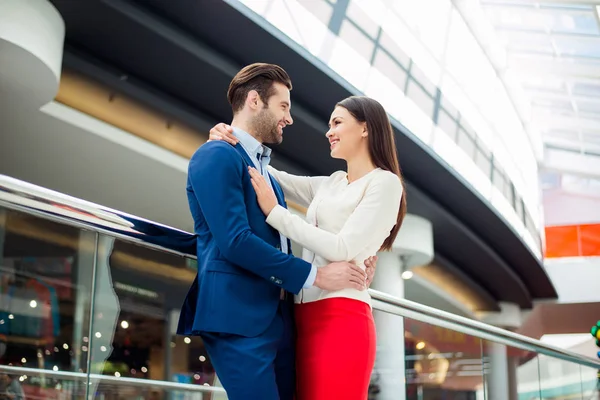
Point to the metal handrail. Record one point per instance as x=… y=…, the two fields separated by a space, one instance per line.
x=434 y=316
x=83 y=377
x=22 y=196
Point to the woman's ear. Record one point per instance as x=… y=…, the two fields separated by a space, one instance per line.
x=365 y=132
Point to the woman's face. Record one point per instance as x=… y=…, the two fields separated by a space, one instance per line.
x=346 y=135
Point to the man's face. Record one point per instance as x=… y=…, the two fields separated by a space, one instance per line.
x=274 y=116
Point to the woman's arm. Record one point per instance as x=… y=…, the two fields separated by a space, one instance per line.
x=376 y=214
x=298 y=189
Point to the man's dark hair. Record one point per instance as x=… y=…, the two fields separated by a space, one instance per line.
x=259 y=77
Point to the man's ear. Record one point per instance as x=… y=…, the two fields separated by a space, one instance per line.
x=253 y=100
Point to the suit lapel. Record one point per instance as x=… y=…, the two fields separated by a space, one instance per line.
x=281 y=200
x=278 y=192
x=274 y=185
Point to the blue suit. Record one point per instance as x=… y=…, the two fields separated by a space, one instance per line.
x=234 y=303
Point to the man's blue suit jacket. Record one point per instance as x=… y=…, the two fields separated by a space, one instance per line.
x=241 y=269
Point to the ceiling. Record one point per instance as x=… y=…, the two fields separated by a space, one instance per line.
x=553 y=48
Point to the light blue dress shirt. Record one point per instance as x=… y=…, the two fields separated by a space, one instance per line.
x=257 y=151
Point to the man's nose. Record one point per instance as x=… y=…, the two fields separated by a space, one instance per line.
x=288 y=119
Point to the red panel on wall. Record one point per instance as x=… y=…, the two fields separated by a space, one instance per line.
x=562 y=241
x=590 y=240
x=573 y=241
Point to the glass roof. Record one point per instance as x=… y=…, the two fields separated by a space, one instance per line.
x=554 y=49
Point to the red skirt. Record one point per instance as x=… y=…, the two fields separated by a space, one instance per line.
x=335 y=349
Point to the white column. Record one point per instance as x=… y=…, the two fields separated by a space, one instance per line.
x=413 y=247
x=31 y=46
x=389 y=374
x=497 y=375
x=500 y=370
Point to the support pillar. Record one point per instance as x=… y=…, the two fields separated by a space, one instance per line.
x=413 y=247
x=32 y=34
x=389 y=373
x=500 y=368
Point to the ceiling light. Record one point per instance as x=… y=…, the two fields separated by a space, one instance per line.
x=407 y=275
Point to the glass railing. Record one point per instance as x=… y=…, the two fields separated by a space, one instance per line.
x=90 y=298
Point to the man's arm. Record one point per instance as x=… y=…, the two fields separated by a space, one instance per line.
x=216 y=173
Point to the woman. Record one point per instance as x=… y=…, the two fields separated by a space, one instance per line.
x=351 y=215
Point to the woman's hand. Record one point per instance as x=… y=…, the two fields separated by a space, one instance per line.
x=264 y=193
x=224 y=132
x=371 y=264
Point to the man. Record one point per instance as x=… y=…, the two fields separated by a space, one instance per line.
x=10 y=389
x=241 y=301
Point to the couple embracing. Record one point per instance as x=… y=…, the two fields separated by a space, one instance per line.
x=278 y=326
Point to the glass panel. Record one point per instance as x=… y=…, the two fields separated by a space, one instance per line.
x=530 y=225
x=394 y=49
x=390 y=68
x=119 y=389
x=590 y=383
x=527 y=42
x=466 y=142
x=420 y=77
x=499 y=179
x=438 y=363
x=441 y=363
x=588 y=106
x=320 y=9
x=421 y=98
x=510 y=373
x=578 y=46
x=449 y=107
x=46 y=271
x=559 y=379
x=357 y=40
x=447 y=124
x=519 y=208
x=24 y=383
x=545 y=83
x=139 y=292
x=586 y=89
x=360 y=18
x=552 y=103
x=509 y=193
x=483 y=162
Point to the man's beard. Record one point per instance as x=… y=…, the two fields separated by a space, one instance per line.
x=266 y=127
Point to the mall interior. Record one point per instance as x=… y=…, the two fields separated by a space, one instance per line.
x=493 y=283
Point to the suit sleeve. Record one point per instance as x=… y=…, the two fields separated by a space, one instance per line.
x=298 y=189
x=375 y=216
x=216 y=173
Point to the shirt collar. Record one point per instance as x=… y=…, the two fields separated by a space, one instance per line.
x=250 y=144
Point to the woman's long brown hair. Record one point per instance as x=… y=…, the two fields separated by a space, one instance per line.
x=382 y=147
